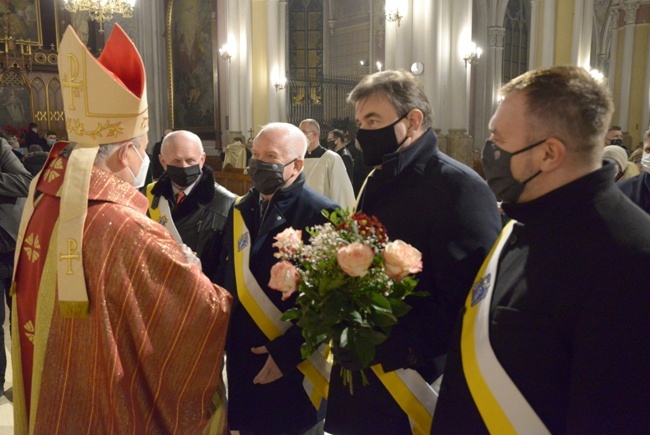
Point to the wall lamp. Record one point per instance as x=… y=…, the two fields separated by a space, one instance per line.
x=225 y=52
x=473 y=55
x=393 y=15
x=280 y=85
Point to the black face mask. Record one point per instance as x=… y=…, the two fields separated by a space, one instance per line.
x=618 y=142
x=496 y=165
x=375 y=144
x=183 y=177
x=267 y=177
x=331 y=144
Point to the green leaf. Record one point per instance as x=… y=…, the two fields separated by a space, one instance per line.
x=400 y=308
x=292 y=314
x=382 y=319
x=380 y=300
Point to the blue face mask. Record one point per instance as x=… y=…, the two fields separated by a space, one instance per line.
x=496 y=165
x=51 y=142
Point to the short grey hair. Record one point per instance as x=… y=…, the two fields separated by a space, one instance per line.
x=105 y=151
x=170 y=138
x=292 y=136
x=313 y=124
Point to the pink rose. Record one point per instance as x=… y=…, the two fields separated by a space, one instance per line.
x=402 y=259
x=355 y=258
x=284 y=278
x=288 y=242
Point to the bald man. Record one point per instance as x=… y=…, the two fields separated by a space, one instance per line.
x=266 y=392
x=187 y=200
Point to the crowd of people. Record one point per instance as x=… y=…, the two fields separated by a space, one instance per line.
x=126 y=306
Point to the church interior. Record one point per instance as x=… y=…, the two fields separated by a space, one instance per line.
x=224 y=68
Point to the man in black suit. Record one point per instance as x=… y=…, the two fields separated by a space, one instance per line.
x=554 y=333
x=266 y=392
x=336 y=142
x=446 y=211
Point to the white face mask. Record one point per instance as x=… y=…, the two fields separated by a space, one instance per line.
x=645 y=161
x=138 y=180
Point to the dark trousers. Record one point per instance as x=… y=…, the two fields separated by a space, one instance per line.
x=6 y=267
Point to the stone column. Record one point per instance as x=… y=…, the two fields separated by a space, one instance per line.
x=613 y=51
x=626 y=70
x=149 y=21
x=548 y=41
x=496 y=36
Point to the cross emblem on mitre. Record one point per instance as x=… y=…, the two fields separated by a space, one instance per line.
x=69 y=79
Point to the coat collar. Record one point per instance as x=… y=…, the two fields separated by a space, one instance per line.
x=415 y=155
x=570 y=199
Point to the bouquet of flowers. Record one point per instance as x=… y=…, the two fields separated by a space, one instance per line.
x=352 y=282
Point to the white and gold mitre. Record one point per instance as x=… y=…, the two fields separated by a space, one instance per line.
x=105 y=99
x=105 y=102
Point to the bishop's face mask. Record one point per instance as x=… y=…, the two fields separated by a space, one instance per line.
x=183 y=177
x=140 y=178
x=375 y=144
x=496 y=165
x=267 y=177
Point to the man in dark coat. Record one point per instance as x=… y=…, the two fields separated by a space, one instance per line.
x=265 y=389
x=434 y=203
x=196 y=206
x=335 y=142
x=14 y=186
x=554 y=334
x=638 y=188
x=32 y=137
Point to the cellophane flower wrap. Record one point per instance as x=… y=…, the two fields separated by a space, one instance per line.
x=351 y=283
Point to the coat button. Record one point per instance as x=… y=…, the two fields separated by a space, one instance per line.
x=513 y=239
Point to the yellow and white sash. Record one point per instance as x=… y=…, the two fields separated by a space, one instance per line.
x=269 y=318
x=502 y=406
x=163 y=214
x=414 y=395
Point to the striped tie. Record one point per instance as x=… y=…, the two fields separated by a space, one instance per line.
x=180 y=196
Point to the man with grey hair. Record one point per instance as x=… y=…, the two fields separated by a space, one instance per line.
x=448 y=213
x=324 y=169
x=188 y=201
x=267 y=393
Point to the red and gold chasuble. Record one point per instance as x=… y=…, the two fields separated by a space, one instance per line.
x=148 y=357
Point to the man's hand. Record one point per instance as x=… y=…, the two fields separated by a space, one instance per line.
x=270 y=372
x=190 y=256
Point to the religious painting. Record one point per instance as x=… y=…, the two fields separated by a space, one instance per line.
x=22 y=20
x=191 y=63
x=15 y=106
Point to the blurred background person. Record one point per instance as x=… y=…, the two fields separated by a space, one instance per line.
x=625 y=169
